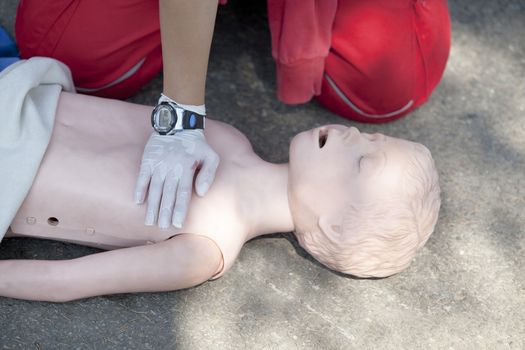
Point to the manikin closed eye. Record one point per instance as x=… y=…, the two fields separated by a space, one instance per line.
x=372 y=162
x=359 y=162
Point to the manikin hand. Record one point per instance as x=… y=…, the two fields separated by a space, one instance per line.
x=168 y=166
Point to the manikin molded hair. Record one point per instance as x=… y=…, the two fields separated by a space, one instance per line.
x=381 y=239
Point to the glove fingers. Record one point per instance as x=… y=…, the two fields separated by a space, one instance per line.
x=142 y=184
x=168 y=199
x=168 y=196
x=155 y=191
x=207 y=173
x=183 y=198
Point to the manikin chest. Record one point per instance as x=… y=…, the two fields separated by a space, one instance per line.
x=83 y=192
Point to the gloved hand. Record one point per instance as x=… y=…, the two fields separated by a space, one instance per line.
x=168 y=165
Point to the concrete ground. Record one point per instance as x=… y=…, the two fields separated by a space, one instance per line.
x=464 y=290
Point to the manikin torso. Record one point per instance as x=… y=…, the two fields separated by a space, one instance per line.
x=87 y=178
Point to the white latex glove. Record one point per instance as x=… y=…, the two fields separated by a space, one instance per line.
x=168 y=166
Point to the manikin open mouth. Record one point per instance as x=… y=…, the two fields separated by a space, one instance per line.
x=323 y=136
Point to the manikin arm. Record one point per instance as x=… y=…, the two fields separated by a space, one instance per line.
x=181 y=262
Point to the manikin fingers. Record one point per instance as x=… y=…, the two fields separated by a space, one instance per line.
x=155 y=191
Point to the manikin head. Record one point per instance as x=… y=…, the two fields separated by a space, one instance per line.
x=362 y=204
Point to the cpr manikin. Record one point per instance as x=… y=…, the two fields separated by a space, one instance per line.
x=359 y=203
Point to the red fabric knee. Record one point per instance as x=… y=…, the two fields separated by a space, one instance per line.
x=386 y=57
x=146 y=70
x=112 y=47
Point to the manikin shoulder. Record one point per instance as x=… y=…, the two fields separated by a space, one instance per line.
x=226 y=139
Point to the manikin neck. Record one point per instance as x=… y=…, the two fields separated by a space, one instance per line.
x=262 y=191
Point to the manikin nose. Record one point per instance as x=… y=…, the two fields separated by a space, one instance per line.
x=351 y=132
x=374 y=137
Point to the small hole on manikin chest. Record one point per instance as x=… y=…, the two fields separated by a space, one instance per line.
x=52 y=221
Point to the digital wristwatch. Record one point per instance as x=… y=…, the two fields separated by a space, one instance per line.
x=167 y=118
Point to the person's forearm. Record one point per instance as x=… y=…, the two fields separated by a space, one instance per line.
x=186 y=32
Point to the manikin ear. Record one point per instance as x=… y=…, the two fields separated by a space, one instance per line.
x=331 y=225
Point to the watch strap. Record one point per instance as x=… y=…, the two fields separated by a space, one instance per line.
x=188 y=120
x=192 y=120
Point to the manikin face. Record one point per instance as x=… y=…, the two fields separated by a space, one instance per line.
x=334 y=165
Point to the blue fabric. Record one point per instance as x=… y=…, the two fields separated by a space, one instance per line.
x=8 y=50
x=6 y=61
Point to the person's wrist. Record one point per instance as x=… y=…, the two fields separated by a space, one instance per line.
x=170 y=117
x=200 y=109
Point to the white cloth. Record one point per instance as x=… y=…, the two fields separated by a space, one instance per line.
x=29 y=92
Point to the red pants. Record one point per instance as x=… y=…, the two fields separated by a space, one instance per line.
x=111 y=46
x=386 y=56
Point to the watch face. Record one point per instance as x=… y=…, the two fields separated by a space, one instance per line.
x=164 y=118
